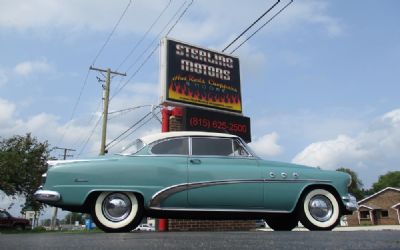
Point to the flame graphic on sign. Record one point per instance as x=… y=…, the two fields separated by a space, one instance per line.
x=187 y=92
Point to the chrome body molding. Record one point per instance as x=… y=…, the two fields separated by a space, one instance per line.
x=163 y=194
x=350 y=202
x=180 y=209
x=47 y=196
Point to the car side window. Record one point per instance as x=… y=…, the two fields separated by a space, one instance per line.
x=178 y=146
x=239 y=150
x=212 y=146
x=3 y=215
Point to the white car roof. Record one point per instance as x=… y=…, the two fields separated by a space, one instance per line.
x=155 y=137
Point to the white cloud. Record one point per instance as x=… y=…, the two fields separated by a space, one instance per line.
x=332 y=154
x=205 y=20
x=48 y=127
x=312 y=12
x=76 y=15
x=29 y=67
x=371 y=153
x=6 y=114
x=267 y=145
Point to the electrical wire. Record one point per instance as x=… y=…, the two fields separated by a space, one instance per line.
x=180 y=17
x=151 y=44
x=144 y=36
x=247 y=29
x=75 y=107
x=90 y=136
x=140 y=41
x=156 y=37
x=136 y=129
x=112 y=33
x=268 y=21
x=88 y=73
x=127 y=130
x=124 y=111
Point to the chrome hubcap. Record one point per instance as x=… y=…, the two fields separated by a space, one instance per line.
x=116 y=207
x=320 y=208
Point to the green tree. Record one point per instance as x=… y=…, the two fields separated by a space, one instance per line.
x=356 y=184
x=23 y=160
x=390 y=179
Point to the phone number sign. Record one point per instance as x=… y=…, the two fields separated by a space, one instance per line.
x=204 y=120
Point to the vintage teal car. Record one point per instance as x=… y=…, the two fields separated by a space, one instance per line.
x=196 y=175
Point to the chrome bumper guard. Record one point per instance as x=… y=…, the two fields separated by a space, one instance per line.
x=47 y=196
x=350 y=202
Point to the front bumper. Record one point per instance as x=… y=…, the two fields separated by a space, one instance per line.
x=350 y=203
x=47 y=196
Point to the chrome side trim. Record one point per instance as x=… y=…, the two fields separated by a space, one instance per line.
x=47 y=195
x=163 y=194
x=179 y=209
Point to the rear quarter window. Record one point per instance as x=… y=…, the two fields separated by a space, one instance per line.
x=177 y=146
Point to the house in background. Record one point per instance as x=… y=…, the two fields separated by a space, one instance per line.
x=381 y=208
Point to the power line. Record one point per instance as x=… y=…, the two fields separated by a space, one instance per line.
x=152 y=52
x=269 y=20
x=90 y=121
x=112 y=33
x=129 y=109
x=90 y=135
x=127 y=130
x=140 y=41
x=88 y=72
x=247 y=29
x=182 y=14
x=142 y=64
x=144 y=36
x=75 y=107
x=156 y=37
x=136 y=129
x=125 y=111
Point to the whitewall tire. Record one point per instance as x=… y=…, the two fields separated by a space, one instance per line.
x=117 y=211
x=319 y=210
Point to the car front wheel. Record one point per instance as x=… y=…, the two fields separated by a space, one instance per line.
x=117 y=211
x=319 y=210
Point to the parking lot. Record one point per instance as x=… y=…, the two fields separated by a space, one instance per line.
x=387 y=239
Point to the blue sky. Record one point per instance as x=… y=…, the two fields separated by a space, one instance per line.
x=320 y=82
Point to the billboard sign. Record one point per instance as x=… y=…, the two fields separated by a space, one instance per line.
x=195 y=119
x=194 y=76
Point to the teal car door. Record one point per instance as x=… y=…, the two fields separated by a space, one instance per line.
x=169 y=164
x=222 y=174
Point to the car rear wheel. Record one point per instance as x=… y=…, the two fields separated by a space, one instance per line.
x=319 y=210
x=282 y=222
x=117 y=211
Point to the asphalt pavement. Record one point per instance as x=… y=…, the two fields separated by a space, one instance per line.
x=388 y=239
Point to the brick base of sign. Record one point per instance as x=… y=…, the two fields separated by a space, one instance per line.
x=211 y=225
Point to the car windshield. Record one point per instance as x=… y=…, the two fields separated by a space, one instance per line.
x=132 y=148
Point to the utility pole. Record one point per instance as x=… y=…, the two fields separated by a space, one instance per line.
x=55 y=210
x=106 y=97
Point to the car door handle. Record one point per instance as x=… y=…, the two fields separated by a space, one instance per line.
x=195 y=161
